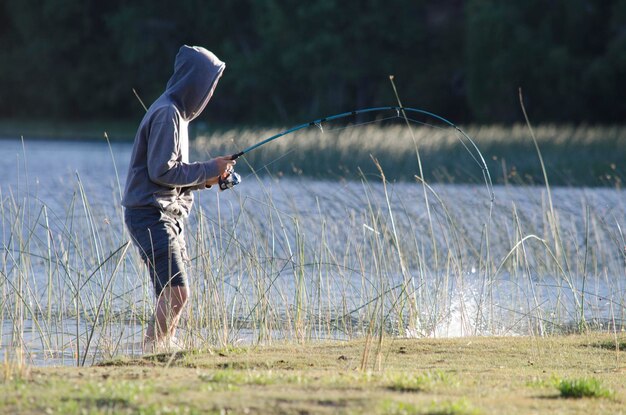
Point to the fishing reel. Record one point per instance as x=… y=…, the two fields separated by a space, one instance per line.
x=231 y=180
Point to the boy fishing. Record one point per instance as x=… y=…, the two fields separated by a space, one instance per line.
x=159 y=187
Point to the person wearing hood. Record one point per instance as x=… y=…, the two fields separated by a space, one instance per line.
x=159 y=187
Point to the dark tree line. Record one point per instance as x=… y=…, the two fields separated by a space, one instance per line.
x=291 y=60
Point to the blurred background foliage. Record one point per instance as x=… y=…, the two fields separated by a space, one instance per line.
x=289 y=60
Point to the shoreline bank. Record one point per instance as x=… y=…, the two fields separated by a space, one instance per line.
x=471 y=375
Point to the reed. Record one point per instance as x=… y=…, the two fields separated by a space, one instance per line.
x=284 y=258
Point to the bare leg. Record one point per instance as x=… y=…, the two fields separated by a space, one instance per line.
x=167 y=314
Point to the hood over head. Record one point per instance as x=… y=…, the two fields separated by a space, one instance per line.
x=196 y=72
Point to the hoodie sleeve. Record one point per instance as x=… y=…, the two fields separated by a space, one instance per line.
x=165 y=161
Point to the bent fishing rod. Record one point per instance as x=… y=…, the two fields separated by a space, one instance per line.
x=401 y=112
x=338 y=116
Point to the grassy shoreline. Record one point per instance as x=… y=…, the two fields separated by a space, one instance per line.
x=72 y=131
x=472 y=375
x=574 y=155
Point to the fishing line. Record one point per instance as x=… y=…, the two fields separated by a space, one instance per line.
x=362 y=124
x=266 y=165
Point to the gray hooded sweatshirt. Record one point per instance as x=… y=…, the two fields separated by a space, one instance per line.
x=160 y=174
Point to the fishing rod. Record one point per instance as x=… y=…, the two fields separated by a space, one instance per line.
x=400 y=113
x=336 y=117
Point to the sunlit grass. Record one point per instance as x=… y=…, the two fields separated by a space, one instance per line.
x=574 y=155
x=473 y=375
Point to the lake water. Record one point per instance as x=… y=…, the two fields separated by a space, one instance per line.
x=290 y=258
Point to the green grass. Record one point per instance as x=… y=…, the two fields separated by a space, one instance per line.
x=618 y=344
x=583 y=388
x=476 y=375
x=404 y=382
x=460 y=407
